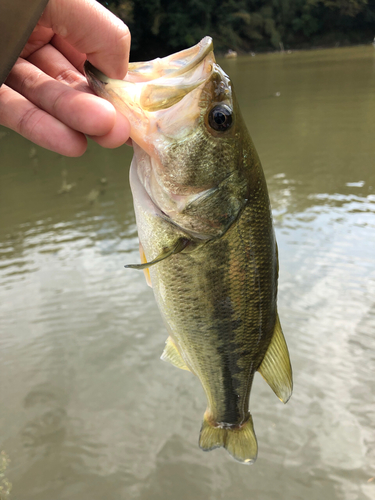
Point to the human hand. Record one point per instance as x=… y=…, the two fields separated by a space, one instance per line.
x=46 y=97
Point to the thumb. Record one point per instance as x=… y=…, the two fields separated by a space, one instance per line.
x=92 y=30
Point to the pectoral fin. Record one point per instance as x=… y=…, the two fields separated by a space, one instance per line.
x=275 y=368
x=144 y=260
x=176 y=247
x=172 y=355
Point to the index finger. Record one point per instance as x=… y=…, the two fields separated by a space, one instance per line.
x=92 y=30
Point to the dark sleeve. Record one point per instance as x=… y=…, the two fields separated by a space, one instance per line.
x=17 y=20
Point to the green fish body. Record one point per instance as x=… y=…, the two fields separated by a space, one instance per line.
x=207 y=243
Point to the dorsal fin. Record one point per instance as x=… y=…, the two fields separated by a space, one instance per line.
x=275 y=367
x=172 y=355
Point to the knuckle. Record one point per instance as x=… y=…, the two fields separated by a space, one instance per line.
x=60 y=102
x=29 y=82
x=5 y=96
x=28 y=121
x=69 y=76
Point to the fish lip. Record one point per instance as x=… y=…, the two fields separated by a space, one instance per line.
x=158 y=84
x=174 y=65
x=171 y=66
x=94 y=75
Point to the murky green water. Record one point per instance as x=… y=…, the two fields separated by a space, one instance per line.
x=87 y=409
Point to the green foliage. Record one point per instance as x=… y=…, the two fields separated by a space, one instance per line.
x=160 y=27
x=343 y=7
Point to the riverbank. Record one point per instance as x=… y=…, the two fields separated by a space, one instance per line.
x=304 y=48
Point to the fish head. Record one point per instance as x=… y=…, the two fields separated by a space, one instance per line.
x=189 y=138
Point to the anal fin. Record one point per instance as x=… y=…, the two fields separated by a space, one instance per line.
x=172 y=355
x=275 y=367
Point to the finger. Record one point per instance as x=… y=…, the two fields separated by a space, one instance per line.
x=80 y=111
x=118 y=135
x=39 y=37
x=92 y=30
x=53 y=63
x=76 y=58
x=20 y=115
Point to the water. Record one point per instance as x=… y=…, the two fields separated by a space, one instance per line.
x=87 y=409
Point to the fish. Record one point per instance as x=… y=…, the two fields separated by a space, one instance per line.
x=206 y=237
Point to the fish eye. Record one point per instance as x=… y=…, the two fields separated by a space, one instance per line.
x=220 y=118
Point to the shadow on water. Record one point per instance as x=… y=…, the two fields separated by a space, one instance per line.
x=87 y=409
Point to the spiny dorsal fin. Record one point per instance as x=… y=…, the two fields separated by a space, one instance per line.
x=176 y=247
x=275 y=368
x=172 y=355
x=240 y=442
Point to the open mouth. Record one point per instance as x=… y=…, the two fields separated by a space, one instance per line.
x=160 y=83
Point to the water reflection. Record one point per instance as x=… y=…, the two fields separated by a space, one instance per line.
x=87 y=410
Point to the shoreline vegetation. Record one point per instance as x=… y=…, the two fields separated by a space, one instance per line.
x=161 y=27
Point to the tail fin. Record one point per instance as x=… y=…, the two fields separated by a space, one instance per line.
x=240 y=442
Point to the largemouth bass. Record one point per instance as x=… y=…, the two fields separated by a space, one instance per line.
x=207 y=242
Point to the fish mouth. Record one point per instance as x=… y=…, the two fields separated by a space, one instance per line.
x=158 y=84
